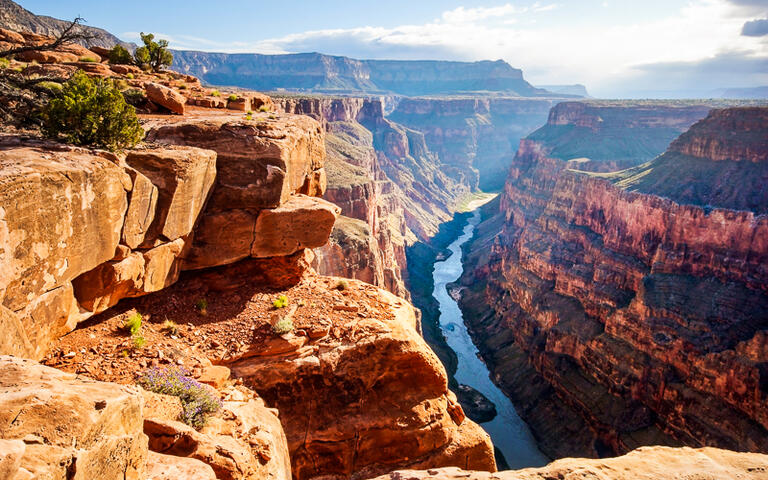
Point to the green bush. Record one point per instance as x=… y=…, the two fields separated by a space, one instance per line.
x=232 y=97
x=283 y=326
x=342 y=285
x=138 y=342
x=92 y=112
x=88 y=60
x=153 y=55
x=280 y=302
x=215 y=93
x=132 y=324
x=264 y=108
x=50 y=87
x=4 y=63
x=119 y=55
x=202 y=306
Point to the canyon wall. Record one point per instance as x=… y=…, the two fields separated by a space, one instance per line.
x=623 y=318
x=474 y=137
x=316 y=72
x=390 y=187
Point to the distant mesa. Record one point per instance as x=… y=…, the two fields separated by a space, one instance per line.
x=576 y=90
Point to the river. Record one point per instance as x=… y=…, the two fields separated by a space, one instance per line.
x=509 y=433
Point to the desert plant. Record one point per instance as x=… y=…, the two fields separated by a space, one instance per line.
x=283 y=326
x=264 y=108
x=4 y=63
x=170 y=327
x=154 y=55
x=215 y=93
x=88 y=60
x=197 y=400
x=342 y=285
x=138 y=341
x=92 y=112
x=280 y=302
x=202 y=306
x=119 y=55
x=129 y=76
x=135 y=96
x=249 y=116
x=232 y=97
x=132 y=324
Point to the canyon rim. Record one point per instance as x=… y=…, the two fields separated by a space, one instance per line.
x=332 y=247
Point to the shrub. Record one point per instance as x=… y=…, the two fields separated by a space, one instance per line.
x=197 y=400
x=129 y=76
x=249 y=116
x=215 y=93
x=92 y=112
x=119 y=55
x=202 y=306
x=4 y=63
x=342 y=285
x=170 y=327
x=264 y=108
x=280 y=302
x=138 y=341
x=135 y=96
x=132 y=324
x=283 y=326
x=232 y=97
x=153 y=55
x=88 y=60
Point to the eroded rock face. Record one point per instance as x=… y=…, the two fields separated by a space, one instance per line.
x=647 y=463
x=165 y=97
x=622 y=319
x=345 y=414
x=97 y=431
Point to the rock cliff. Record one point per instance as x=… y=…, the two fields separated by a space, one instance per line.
x=388 y=184
x=620 y=318
x=315 y=72
x=474 y=137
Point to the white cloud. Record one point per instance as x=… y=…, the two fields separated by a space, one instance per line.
x=610 y=59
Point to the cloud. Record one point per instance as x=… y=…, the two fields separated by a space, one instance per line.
x=696 y=79
x=755 y=28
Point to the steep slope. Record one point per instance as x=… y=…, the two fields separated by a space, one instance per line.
x=474 y=137
x=316 y=72
x=16 y=18
x=390 y=188
x=621 y=318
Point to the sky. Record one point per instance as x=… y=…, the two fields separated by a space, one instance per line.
x=616 y=48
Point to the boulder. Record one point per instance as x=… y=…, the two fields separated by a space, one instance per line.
x=71 y=427
x=47 y=237
x=166 y=97
x=126 y=69
x=221 y=238
x=259 y=165
x=183 y=177
x=10 y=36
x=142 y=204
x=243 y=441
x=242 y=104
x=171 y=467
x=136 y=275
x=47 y=57
x=301 y=222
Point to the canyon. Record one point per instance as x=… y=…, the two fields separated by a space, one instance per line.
x=627 y=308
x=296 y=257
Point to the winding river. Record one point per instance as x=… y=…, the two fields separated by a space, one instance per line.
x=508 y=432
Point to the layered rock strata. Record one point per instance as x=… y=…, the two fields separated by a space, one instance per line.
x=387 y=183
x=474 y=137
x=622 y=318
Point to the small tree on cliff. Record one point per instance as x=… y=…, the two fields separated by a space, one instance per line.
x=92 y=112
x=154 y=54
x=119 y=55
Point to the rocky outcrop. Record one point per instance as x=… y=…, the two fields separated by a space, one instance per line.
x=396 y=410
x=605 y=136
x=54 y=425
x=648 y=463
x=624 y=319
x=315 y=72
x=474 y=138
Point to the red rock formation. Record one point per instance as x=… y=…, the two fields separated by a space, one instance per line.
x=648 y=463
x=643 y=319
